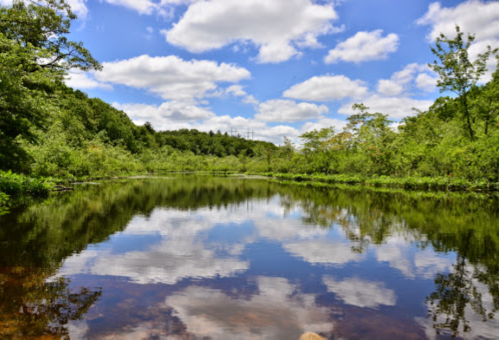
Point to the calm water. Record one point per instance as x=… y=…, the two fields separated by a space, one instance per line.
x=197 y=257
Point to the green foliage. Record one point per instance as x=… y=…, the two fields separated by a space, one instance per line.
x=14 y=184
x=48 y=129
x=210 y=143
x=34 y=56
x=4 y=203
x=458 y=73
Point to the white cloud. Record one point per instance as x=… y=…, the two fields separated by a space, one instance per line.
x=276 y=27
x=264 y=132
x=389 y=87
x=140 y=6
x=77 y=6
x=361 y=293
x=394 y=107
x=279 y=110
x=337 y=124
x=84 y=81
x=171 y=77
x=250 y=99
x=420 y=76
x=364 y=46
x=475 y=17
x=178 y=114
x=426 y=82
x=236 y=90
x=172 y=112
x=327 y=88
x=279 y=311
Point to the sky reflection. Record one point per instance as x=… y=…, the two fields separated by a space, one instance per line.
x=273 y=267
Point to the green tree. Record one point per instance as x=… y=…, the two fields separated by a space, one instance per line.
x=486 y=102
x=457 y=72
x=34 y=56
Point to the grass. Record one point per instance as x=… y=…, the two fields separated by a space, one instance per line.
x=410 y=183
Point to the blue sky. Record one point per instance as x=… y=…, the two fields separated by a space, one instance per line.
x=278 y=67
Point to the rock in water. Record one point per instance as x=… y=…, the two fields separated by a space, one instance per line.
x=311 y=336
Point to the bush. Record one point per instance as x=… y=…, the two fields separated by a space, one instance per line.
x=14 y=185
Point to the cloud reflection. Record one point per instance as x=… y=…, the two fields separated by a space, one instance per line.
x=277 y=312
x=361 y=293
x=324 y=252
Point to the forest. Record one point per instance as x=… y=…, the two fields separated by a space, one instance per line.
x=48 y=130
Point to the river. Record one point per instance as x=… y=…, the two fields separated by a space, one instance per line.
x=202 y=257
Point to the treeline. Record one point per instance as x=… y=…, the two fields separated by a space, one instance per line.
x=48 y=129
x=457 y=138
x=211 y=143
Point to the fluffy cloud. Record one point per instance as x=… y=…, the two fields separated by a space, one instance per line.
x=364 y=46
x=389 y=87
x=426 y=82
x=288 y=111
x=276 y=27
x=327 y=88
x=141 y=6
x=236 y=90
x=179 y=114
x=77 y=6
x=394 y=107
x=414 y=74
x=277 y=312
x=475 y=17
x=171 y=77
x=262 y=131
x=147 y=7
x=85 y=81
x=168 y=112
x=360 y=293
x=337 y=124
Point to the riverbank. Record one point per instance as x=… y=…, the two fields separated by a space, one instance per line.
x=408 y=183
x=14 y=186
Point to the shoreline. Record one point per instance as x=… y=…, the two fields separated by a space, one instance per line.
x=15 y=187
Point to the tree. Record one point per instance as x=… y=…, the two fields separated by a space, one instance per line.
x=457 y=72
x=486 y=102
x=34 y=57
x=44 y=26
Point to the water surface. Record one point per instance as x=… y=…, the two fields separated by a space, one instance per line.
x=199 y=257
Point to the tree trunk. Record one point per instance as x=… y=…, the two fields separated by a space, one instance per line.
x=468 y=119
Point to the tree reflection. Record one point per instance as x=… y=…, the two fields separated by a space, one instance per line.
x=466 y=224
x=35 y=241
x=32 y=306
x=458 y=294
x=43 y=235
